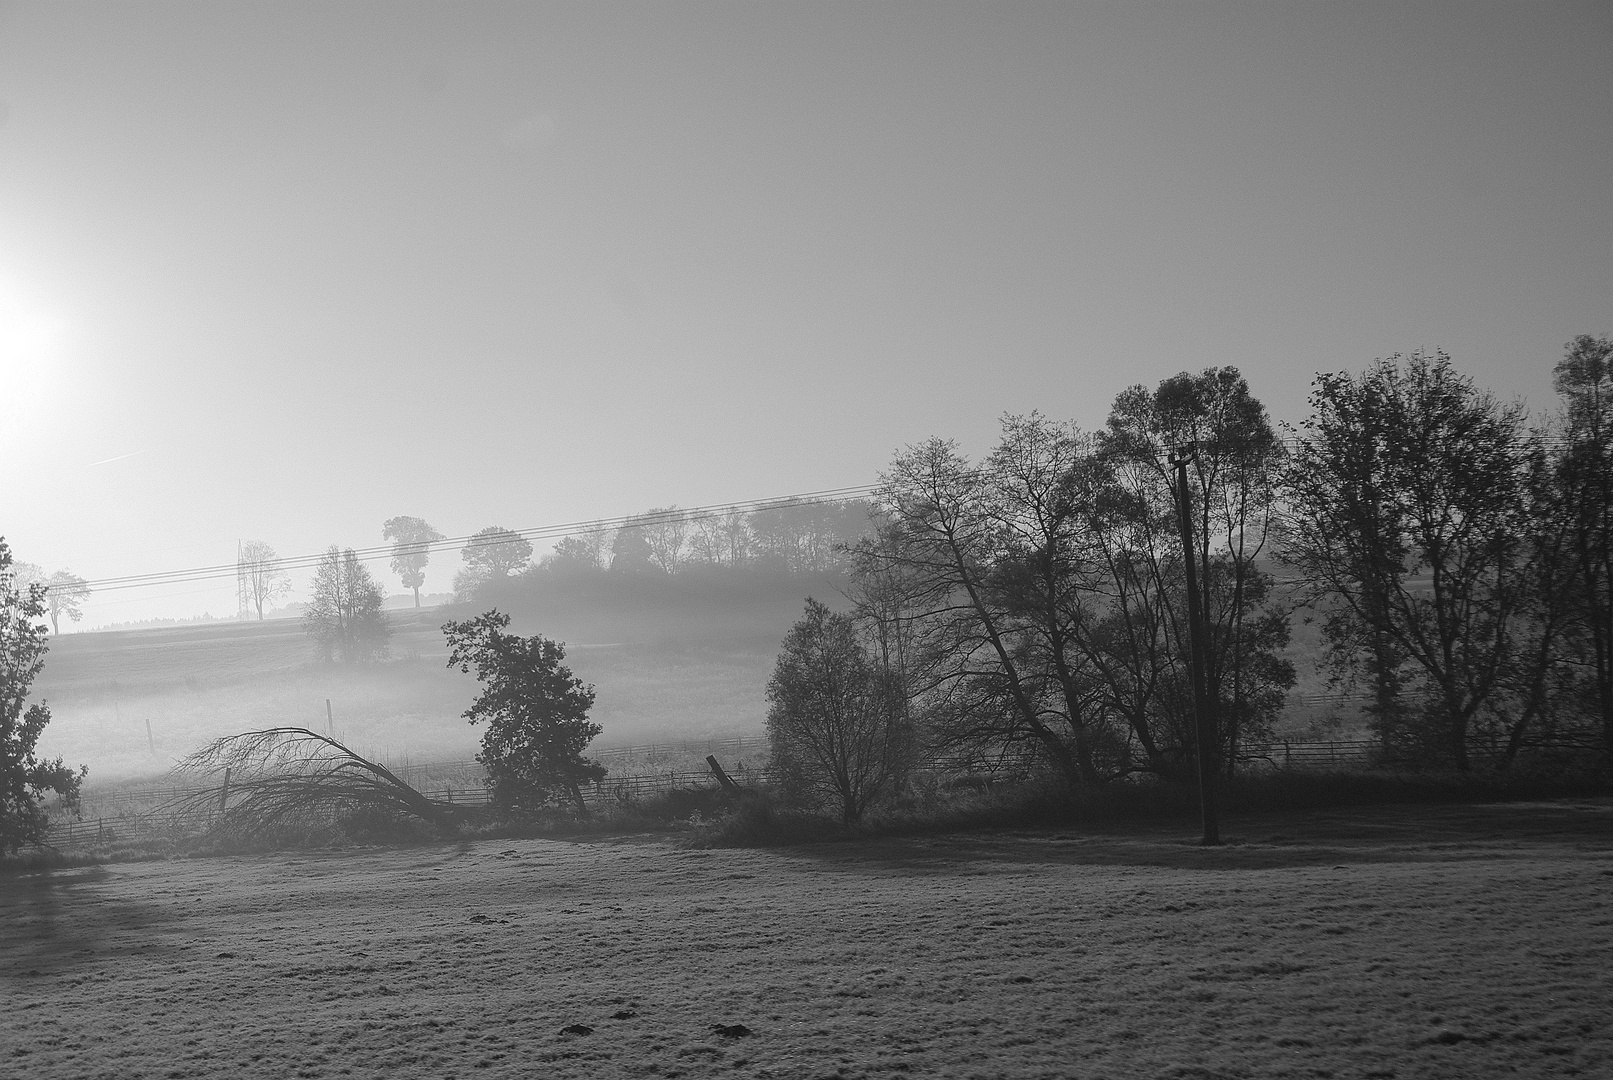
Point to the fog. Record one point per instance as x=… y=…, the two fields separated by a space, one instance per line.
x=283 y=272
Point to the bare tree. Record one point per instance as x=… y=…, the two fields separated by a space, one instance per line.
x=721 y=538
x=665 y=530
x=259 y=566
x=344 y=614
x=836 y=723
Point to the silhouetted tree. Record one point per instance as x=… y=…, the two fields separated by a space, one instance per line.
x=536 y=712
x=265 y=581
x=1410 y=511
x=629 y=550
x=24 y=778
x=64 y=594
x=1233 y=480
x=1584 y=483
x=583 y=551
x=665 y=529
x=411 y=540
x=344 y=614
x=491 y=555
x=836 y=722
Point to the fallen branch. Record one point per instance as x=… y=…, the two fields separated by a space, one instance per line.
x=290 y=776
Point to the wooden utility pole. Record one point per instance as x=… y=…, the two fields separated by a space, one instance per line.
x=1206 y=733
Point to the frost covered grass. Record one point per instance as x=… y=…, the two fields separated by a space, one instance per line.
x=1442 y=940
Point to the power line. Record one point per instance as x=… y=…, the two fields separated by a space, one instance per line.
x=454 y=543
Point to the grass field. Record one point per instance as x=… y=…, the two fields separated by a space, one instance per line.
x=194 y=684
x=1426 y=942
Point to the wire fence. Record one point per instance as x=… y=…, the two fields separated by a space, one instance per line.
x=151 y=813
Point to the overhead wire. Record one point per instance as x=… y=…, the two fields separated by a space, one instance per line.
x=455 y=543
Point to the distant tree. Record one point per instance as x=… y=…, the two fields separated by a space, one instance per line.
x=836 y=721
x=344 y=615
x=629 y=550
x=65 y=592
x=536 y=712
x=583 y=551
x=721 y=538
x=24 y=779
x=411 y=540
x=665 y=529
x=265 y=581
x=1584 y=486
x=491 y=555
x=1409 y=508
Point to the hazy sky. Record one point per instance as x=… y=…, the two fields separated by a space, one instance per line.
x=282 y=271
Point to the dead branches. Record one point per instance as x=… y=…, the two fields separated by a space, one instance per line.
x=293 y=779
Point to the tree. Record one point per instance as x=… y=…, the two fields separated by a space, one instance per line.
x=665 y=530
x=24 y=778
x=835 y=722
x=581 y=552
x=1584 y=485
x=64 y=592
x=1233 y=486
x=260 y=567
x=491 y=555
x=629 y=550
x=536 y=712
x=1409 y=509
x=721 y=538
x=344 y=615
x=411 y=549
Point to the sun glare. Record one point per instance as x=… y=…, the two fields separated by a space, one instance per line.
x=31 y=338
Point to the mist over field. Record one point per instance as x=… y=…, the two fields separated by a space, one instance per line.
x=671 y=659
x=1115 y=499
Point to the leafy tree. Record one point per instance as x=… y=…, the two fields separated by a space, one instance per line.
x=583 y=551
x=836 y=722
x=630 y=550
x=1233 y=486
x=536 y=712
x=1410 y=510
x=24 y=778
x=265 y=581
x=411 y=540
x=491 y=555
x=64 y=593
x=344 y=615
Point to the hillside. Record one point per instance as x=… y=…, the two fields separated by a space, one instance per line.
x=670 y=658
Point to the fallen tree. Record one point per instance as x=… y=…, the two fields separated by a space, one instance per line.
x=290 y=778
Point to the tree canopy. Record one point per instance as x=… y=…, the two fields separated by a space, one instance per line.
x=536 y=713
x=344 y=615
x=24 y=777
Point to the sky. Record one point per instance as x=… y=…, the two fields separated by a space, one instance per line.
x=283 y=271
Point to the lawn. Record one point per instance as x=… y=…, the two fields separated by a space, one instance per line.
x=1451 y=941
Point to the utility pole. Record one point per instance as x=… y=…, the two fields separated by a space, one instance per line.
x=1206 y=732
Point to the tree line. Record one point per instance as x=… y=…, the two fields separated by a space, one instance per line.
x=1034 y=602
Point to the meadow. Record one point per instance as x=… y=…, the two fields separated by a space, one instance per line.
x=1392 y=941
x=132 y=703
